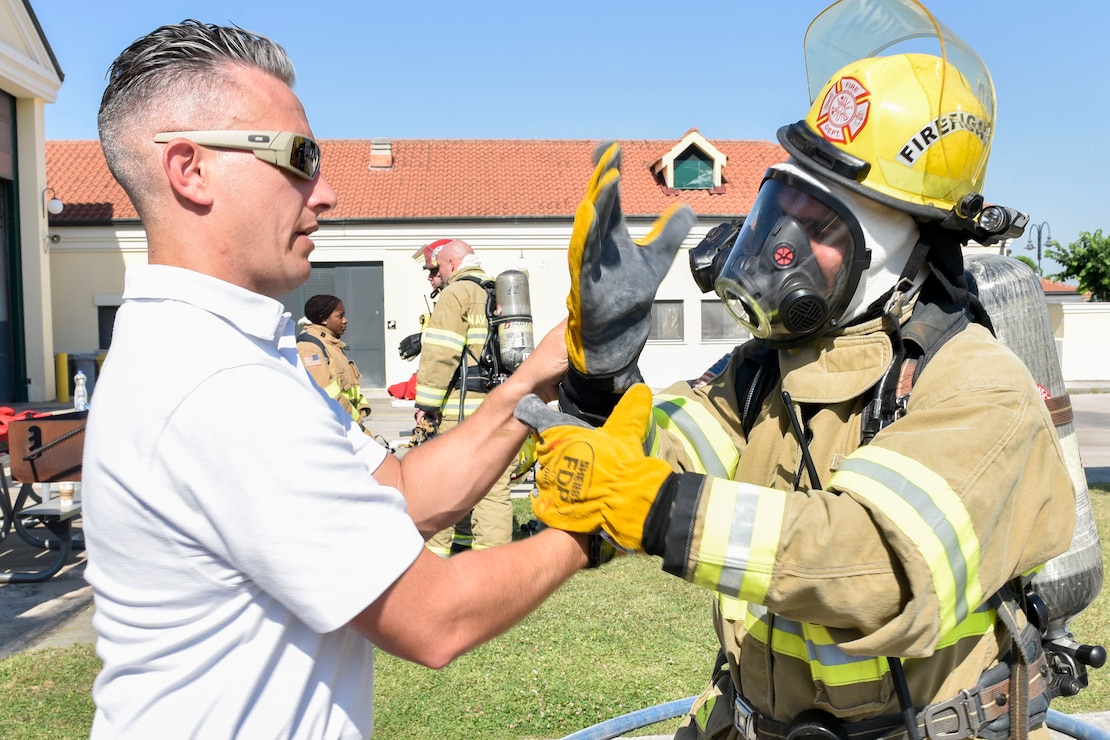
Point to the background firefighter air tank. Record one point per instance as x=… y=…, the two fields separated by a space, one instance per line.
x=1014 y=299
x=514 y=324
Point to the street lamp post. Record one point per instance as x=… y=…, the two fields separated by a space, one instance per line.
x=1044 y=231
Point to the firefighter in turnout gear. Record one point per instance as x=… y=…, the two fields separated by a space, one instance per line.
x=866 y=482
x=452 y=379
x=324 y=355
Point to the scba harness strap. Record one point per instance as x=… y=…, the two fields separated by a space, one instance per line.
x=488 y=373
x=304 y=336
x=1007 y=700
x=980 y=712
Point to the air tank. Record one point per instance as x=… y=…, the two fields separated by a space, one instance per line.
x=514 y=320
x=1014 y=300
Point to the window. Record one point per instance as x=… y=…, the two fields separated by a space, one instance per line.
x=106 y=306
x=693 y=170
x=718 y=325
x=666 y=321
x=691 y=164
x=105 y=321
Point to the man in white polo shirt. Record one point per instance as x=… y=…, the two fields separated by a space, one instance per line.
x=248 y=544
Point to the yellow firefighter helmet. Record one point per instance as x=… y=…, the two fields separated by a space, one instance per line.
x=908 y=128
x=914 y=120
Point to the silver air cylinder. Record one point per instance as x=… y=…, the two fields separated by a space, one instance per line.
x=1014 y=300
x=514 y=322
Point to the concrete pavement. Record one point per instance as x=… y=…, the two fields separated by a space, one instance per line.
x=58 y=612
x=1091 y=402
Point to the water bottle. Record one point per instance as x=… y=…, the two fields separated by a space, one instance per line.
x=80 y=392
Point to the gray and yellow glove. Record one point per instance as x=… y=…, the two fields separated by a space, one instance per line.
x=599 y=481
x=613 y=281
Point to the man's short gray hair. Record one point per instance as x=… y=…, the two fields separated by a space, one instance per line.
x=175 y=68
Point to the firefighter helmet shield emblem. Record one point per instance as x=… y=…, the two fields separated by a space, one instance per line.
x=844 y=110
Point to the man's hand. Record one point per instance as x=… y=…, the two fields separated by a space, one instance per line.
x=614 y=278
x=596 y=480
x=546 y=365
x=427 y=419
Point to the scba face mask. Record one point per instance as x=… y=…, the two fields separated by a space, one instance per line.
x=795 y=264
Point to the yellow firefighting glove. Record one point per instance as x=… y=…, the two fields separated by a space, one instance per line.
x=613 y=281
x=597 y=480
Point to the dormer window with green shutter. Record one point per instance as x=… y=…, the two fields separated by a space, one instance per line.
x=691 y=164
x=693 y=170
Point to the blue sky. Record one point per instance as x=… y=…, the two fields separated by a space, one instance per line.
x=620 y=69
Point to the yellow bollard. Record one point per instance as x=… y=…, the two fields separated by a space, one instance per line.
x=61 y=376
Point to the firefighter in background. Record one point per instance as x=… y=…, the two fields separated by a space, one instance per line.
x=410 y=346
x=867 y=548
x=324 y=355
x=452 y=381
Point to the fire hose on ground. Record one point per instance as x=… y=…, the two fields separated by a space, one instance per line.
x=617 y=726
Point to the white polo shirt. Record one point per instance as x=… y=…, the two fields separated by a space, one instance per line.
x=232 y=523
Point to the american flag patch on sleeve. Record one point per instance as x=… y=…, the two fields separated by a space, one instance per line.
x=312 y=360
x=716 y=369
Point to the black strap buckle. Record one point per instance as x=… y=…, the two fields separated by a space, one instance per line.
x=963 y=709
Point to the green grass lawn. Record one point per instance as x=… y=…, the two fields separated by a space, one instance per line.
x=611 y=641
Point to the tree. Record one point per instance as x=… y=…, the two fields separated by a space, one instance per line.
x=1032 y=264
x=1088 y=261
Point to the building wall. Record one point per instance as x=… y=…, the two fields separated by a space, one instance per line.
x=87 y=266
x=540 y=248
x=1082 y=340
x=28 y=72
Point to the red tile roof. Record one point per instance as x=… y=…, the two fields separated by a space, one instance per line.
x=449 y=178
x=1049 y=286
x=79 y=176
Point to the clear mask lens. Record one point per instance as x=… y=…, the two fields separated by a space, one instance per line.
x=795 y=262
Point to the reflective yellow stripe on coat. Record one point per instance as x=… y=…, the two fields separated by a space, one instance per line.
x=706 y=443
x=829 y=664
x=930 y=514
x=737 y=554
x=352 y=394
x=455 y=343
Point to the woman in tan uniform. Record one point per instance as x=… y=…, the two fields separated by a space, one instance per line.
x=324 y=355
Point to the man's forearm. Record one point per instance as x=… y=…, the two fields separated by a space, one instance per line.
x=446 y=476
x=478 y=595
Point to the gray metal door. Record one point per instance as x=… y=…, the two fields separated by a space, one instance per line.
x=360 y=286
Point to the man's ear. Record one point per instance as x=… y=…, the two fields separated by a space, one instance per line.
x=188 y=167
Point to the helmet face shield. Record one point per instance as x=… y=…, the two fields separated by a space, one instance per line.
x=795 y=264
x=904 y=102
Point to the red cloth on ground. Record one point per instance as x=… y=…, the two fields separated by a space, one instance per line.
x=405 y=389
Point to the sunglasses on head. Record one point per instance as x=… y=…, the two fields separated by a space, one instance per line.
x=291 y=152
